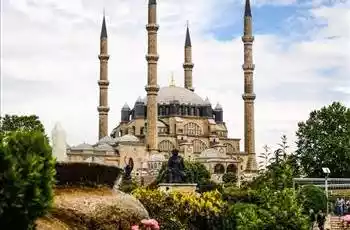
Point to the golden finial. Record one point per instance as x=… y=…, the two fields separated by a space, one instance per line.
x=172 y=80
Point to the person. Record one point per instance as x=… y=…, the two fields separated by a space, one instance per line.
x=338 y=206
x=321 y=219
x=312 y=218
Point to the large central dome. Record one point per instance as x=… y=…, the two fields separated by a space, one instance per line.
x=170 y=93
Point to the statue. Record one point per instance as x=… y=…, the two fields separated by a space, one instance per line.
x=59 y=145
x=128 y=168
x=176 y=167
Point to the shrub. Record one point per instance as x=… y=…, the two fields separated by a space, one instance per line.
x=86 y=174
x=229 y=178
x=183 y=210
x=312 y=197
x=26 y=178
x=235 y=195
x=127 y=186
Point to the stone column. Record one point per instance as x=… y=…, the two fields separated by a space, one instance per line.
x=103 y=83
x=188 y=65
x=152 y=87
x=249 y=95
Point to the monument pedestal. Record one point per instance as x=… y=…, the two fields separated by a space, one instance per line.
x=177 y=187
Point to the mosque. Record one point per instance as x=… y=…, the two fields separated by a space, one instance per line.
x=173 y=117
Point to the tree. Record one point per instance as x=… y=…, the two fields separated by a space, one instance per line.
x=312 y=197
x=265 y=158
x=27 y=175
x=25 y=123
x=229 y=178
x=324 y=141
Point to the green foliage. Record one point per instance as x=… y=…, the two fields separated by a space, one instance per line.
x=229 y=178
x=324 y=141
x=86 y=174
x=312 y=197
x=27 y=171
x=249 y=217
x=128 y=186
x=195 y=173
x=184 y=210
x=234 y=195
x=21 y=123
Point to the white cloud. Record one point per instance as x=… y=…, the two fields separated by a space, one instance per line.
x=50 y=65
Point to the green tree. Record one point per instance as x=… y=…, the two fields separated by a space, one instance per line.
x=265 y=158
x=27 y=171
x=229 y=178
x=26 y=123
x=324 y=141
x=312 y=197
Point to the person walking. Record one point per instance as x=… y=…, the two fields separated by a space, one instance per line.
x=321 y=219
x=312 y=217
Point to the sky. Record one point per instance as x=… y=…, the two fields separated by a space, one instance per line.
x=50 y=66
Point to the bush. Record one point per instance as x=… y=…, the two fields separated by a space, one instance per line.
x=236 y=195
x=127 y=186
x=184 y=210
x=312 y=197
x=229 y=178
x=26 y=178
x=86 y=174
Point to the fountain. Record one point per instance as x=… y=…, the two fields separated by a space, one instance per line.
x=59 y=144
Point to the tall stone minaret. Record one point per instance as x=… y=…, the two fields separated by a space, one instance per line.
x=249 y=95
x=152 y=87
x=188 y=65
x=103 y=83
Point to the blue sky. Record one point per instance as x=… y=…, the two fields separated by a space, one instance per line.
x=49 y=57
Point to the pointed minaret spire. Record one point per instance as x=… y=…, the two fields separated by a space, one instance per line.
x=188 y=65
x=188 y=37
x=249 y=95
x=247 y=9
x=152 y=87
x=103 y=83
x=104 y=29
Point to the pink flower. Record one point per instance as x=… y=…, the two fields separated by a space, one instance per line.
x=152 y=223
x=135 y=227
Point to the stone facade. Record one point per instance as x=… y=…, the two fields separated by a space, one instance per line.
x=173 y=117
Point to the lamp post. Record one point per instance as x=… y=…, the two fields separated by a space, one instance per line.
x=326 y=171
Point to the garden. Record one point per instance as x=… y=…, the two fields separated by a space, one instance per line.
x=37 y=192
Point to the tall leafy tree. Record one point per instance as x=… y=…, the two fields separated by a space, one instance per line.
x=324 y=141
x=20 y=123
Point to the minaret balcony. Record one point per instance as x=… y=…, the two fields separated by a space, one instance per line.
x=103 y=57
x=188 y=66
x=103 y=83
x=152 y=27
x=249 y=96
x=103 y=110
x=151 y=89
x=152 y=58
x=247 y=39
x=248 y=67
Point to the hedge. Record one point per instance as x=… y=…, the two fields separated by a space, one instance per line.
x=86 y=174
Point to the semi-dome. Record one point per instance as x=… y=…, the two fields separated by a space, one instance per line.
x=104 y=147
x=128 y=138
x=83 y=146
x=210 y=153
x=106 y=140
x=184 y=96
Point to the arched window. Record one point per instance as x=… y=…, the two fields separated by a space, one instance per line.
x=229 y=148
x=219 y=169
x=198 y=146
x=166 y=146
x=231 y=168
x=193 y=129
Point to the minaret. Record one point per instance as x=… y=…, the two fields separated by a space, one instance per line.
x=152 y=87
x=103 y=83
x=249 y=95
x=188 y=65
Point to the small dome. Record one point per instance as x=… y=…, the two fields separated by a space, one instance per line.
x=128 y=138
x=139 y=100
x=210 y=153
x=107 y=140
x=167 y=95
x=83 y=146
x=157 y=157
x=207 y=102
x=126 y=107
x=218 y=106
x=104 y=147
